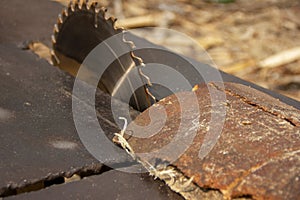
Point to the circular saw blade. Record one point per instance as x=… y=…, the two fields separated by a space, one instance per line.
x=79 y=29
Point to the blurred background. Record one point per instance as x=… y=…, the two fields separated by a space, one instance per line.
x=256 y=40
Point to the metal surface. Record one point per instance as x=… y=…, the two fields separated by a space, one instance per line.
x=79 y=29
x=109 y=185
x=257 y=154
x=38 y=136
x=25 y=21
x=40 y=145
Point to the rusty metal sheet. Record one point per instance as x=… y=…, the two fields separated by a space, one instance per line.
x=38 y=136
x=109 y=185
x=257 y=154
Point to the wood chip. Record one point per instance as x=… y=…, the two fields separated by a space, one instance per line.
x=41 y=50
x=150 y=20
x=210 y=41
x=281 y=58
x=239 y=66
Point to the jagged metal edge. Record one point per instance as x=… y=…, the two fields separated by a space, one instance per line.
x=75 y=6
x=78 y=5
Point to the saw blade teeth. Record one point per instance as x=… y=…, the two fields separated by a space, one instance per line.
x=72 y=7
x=56 y=29
x=112 y=21
x=86 y=2
x=97 y=16
x=54 y=58
x=84 y=5
x=103 y=10
x=97 y=10
x=69 y=4
x=96 y=19
x=94 y=6
x=87 y=5
x=53 y=39
x=55 y=35
x=65 y=13
x=60 y=19
x=119 y=29
x=77 y=5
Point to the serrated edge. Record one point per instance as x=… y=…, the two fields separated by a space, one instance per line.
x=78 y=5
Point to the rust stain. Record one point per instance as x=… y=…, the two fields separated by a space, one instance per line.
x=254 y=137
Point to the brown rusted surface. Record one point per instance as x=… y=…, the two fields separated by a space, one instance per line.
x=256 y=156
x=265 y=102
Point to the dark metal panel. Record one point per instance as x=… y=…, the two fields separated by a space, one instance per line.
x=27 y=20
x=38 y=138
x=109 y=185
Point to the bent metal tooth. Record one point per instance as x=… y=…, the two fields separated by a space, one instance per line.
x=141 y=63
